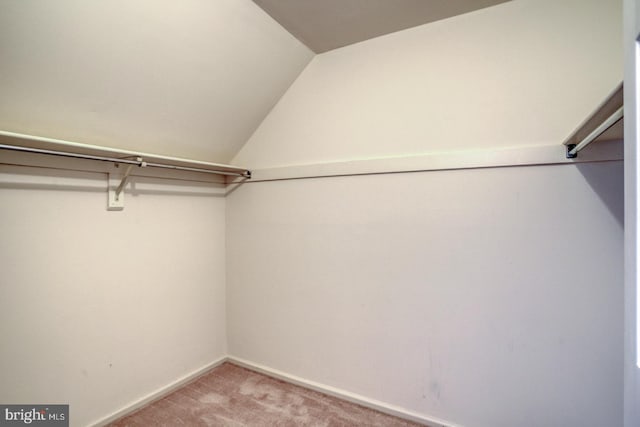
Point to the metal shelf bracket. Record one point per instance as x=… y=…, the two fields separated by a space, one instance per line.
x=115 y=200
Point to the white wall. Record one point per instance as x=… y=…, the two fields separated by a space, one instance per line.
x=631 y=177
x=450 y=294
x=190 y=78
x=525 y=72
x=97 y=308
x=488 y=298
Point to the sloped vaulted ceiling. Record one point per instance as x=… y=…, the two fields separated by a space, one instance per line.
x=329 y=24
x=498 y=78
x=184 y=78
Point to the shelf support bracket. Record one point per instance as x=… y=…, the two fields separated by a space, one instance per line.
x=116 y=196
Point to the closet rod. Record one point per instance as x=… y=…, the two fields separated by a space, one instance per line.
x=610 y=121
x=139 y=161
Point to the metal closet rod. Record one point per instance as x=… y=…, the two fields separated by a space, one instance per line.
x=139 y=161
x=572 y=150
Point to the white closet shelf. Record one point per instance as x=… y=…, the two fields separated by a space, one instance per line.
x=55 y=147
x=606 y=123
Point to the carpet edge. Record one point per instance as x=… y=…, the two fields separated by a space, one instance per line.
x=385 y=408
x=159 y=393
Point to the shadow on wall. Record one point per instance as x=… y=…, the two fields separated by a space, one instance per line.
x=607 y=181
x=28 y=178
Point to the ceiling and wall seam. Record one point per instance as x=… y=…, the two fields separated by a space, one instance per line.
x=240 y=147
x=455 y=84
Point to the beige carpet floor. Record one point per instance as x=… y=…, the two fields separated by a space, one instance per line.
x=233 y=396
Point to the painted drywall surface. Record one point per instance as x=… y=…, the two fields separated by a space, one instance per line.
x=521 y=73
x=632 y=316
x=190 y=78
x=488 y=298
x=97 y=308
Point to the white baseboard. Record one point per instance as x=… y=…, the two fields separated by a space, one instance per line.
x=344 y=395
x=158 y=394
x=274 y=373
